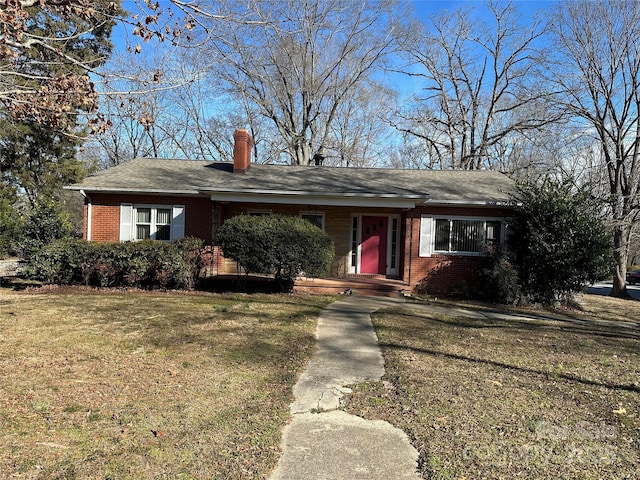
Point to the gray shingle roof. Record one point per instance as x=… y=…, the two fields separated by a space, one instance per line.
x=190 y=177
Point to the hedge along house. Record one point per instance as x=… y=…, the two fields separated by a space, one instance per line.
x=426 y=228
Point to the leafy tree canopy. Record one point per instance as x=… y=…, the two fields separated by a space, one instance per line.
x=36 y=162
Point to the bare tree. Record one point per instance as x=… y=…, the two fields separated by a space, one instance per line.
x=178 y=115
x=360 y=136
x=480 y=88
x=598 y=68
x=299 y=62
x=152 y=108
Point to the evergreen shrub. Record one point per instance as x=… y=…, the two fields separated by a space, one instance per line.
x=147 y=264
x=278 y=245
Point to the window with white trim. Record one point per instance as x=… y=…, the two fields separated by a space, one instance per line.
x=315 y=218
x=466 y=235
x=153 y=222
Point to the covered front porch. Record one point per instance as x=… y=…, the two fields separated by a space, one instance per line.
x=369 y=240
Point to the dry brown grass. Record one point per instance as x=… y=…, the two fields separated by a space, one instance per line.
x=489 y=399
x=148 y=385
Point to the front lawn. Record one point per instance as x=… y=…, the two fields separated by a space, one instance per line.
x=116 y=385
x=487 y=399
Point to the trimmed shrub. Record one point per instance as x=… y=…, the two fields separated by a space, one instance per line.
x=146 y=264
x=277 y=245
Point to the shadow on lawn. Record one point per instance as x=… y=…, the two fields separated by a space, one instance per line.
x=564 y=376
x=232 y=328
x=594 y=328
x=243 y=284
x=609 y=336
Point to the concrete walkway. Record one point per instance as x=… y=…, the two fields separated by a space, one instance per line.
x=322 y=442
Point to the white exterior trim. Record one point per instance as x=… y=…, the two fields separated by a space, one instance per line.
x=89 y=219
x=463 y=217
x=472 y=203
x=329 y=200
x=355 y=268
x=390 y=270
x=128 y=221
x=126 y=218
x=426 y=235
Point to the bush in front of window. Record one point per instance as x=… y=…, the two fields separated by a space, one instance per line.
x=277 y=245
x=499 y=280
x=146 y=264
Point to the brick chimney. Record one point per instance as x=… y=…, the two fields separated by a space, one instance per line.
x=242 y=147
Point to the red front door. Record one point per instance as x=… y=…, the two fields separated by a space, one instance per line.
x=373 y=254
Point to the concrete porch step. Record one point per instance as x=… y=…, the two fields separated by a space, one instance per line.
x=361 y=285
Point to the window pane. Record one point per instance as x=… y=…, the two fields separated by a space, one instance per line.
x=354 y=242
x=143 y=215
x=143 y=232
x=467 y=235
x=163 y=216
x=493 y=235
x=163 y=232
x=314 y=219
x=394 y=242
x=442 y=234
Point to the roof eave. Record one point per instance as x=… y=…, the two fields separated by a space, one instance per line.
x=474 y=203
x=314 y=198
x=144 y=191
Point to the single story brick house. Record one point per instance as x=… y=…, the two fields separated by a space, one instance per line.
x=426 y=228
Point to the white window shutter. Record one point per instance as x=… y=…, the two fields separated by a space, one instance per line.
x=126 y=217
x=426 y=235
x=177 y=223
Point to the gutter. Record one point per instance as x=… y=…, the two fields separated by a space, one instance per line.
x=347 y=199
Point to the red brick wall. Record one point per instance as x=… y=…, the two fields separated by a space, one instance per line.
x=438 y=274
x=105 y=214
x=442 y=274
x=105 y=223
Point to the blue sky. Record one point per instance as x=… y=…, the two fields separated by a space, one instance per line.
x=423 y=8
x=526 y=7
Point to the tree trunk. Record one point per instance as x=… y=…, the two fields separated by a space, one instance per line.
x=620 y=255
x=301 y=151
